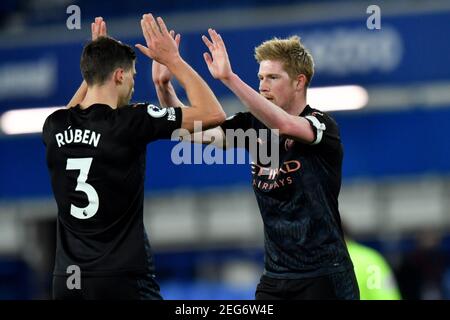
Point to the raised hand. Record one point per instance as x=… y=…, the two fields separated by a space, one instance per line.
x=217 y=59
x=98 y=28
x=160 y=73
x=161 y=46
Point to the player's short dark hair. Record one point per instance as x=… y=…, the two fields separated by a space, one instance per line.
x=102 y=56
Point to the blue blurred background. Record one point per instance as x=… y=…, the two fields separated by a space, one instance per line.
x=202 y=219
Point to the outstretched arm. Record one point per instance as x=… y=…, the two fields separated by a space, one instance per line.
x=161 y=77
x=78 y=96
x=163 y=48
x=98 y=29
x=167 y=97
x=264 y=110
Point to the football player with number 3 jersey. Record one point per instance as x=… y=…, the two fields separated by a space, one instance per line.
x=96 y=151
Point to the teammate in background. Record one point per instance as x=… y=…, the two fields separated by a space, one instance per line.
x=96 y=154
x=375 y=278
x=305 y=252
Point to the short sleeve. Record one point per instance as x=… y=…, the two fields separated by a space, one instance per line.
x=239 y=121
x=48 y=127
x=45 y=131
x=148 y=122
x=326 y=130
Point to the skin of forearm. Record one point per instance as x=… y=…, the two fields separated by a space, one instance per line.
x=79 y=95
x=270 y=114
x=213 y=136
x=167 y=96
x=198 y=92
x=264 y=110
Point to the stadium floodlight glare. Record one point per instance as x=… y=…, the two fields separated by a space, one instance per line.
x=21 y=121
x=338 y=98
x=351 y=97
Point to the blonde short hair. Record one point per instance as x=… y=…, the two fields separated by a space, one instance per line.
x=291 y=52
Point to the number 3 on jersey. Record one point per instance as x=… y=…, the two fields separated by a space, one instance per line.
x=84 y=165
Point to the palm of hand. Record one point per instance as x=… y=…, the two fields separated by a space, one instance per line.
x=160 y=72
x=217 y=59
x=165 y=51
x=220 y=66
x=98 y=28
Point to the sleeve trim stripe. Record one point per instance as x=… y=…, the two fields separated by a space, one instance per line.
x=319 y=126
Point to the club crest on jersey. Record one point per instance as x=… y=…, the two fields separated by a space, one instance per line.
x=155 y=111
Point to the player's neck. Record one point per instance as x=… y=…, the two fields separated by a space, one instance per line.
x=296 y=106
x=100 y=95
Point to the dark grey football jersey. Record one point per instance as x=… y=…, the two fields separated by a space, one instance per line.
x=96 y=160
x=298 y=200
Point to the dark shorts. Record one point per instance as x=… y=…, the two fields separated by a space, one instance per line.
x=335 y=286
x=108 y=288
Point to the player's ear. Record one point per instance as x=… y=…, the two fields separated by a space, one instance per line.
x=301 y=82
x=118 y=75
